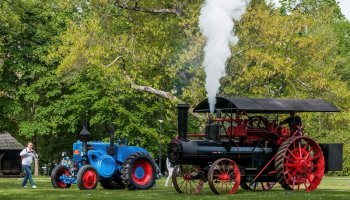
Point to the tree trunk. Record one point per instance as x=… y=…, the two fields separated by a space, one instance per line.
x=36 y=167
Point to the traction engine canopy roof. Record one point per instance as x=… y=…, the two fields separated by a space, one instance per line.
x=266 y=105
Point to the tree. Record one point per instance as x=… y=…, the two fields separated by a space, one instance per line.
x=117 y=66
x=28 y=82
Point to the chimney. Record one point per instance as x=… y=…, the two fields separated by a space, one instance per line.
x=182 y=118
x=84 y=136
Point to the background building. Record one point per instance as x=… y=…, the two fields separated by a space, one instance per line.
x=10 y=161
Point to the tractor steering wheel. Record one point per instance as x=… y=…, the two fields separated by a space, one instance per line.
x=258 y=122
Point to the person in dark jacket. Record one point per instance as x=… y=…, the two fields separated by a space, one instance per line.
x=294 y=121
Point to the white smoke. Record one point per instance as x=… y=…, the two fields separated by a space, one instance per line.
x=216 y=23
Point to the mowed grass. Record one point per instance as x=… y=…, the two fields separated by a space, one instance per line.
x=10 y=188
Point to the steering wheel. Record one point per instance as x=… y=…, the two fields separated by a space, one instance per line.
x=258 y=122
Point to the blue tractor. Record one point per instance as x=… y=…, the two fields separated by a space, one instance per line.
x=115 y=166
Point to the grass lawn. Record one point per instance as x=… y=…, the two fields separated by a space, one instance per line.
x=10 y=188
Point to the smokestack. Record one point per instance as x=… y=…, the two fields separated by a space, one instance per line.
x=182 y=119
x=84 y=136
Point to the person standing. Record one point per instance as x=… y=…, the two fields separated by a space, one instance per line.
x=170 y=168
x=27 y=155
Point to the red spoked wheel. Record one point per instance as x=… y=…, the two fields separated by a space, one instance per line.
x=188 y=179
x=87 y=178
x=299 y=164
x=57 y=174
x=224 y=176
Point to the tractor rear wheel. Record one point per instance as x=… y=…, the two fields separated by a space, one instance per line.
x=139 y=171
x=299 y=164
x=224 y=176
x=87 y=178
x=57 y=172
x=188 y=179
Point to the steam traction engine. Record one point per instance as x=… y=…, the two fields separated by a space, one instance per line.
x=243 y=148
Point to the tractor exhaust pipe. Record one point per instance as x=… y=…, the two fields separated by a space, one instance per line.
x=111 y=148
x=182 y=119
x=84 y=136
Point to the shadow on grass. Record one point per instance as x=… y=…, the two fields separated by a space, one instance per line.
x=10 y=189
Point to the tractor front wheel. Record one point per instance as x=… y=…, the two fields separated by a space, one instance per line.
x=57 y=172
x=87 y=178
x=139 y=171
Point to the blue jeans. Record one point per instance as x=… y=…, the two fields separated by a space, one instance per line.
x=28 y=175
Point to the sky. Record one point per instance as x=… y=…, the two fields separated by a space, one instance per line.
x=344 y=6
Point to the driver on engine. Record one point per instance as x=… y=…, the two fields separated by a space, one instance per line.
x=294 y=121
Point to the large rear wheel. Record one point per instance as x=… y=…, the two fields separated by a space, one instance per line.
x=57 y=173
x=188 y=179
x=299 y=164
x=87 y=178
x=139 y=171
x=224 y=176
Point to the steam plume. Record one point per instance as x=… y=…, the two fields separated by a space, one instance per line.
x=216 y=24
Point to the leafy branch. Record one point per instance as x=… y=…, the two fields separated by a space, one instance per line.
x=135 y=7
x=148 y=89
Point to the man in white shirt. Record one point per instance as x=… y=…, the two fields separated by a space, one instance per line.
x=27 y=155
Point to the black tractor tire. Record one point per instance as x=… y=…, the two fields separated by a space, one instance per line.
x=139 y=172
x=87 y=178
x=55 y=175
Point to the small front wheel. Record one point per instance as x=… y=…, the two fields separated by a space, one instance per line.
x=224 y=176
x=58 y=172
x=87 y=178
x=188 y=179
